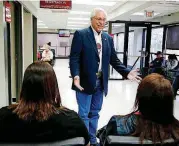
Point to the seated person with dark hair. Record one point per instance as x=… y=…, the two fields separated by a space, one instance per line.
x=39 y=117
x=49 y=43
x=158 y=61
x=172 y=62
x=172 y=67
x=152 y=119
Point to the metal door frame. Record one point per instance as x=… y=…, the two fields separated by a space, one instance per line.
x=128 y=24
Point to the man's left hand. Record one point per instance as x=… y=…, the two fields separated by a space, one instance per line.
x=133 y=76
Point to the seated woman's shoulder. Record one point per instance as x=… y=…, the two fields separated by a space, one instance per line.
x=63 y=111
x=7 y=112
x=4 y=110
x=8 y=109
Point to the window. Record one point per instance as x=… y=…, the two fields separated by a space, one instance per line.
x=120 y=47
x=131 y=44
x=156 y=39
x=176 y=52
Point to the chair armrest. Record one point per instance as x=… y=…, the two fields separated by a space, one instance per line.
x=77 y=141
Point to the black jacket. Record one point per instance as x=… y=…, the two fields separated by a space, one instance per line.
x=64 y=125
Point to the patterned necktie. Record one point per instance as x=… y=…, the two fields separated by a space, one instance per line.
x=99 y=47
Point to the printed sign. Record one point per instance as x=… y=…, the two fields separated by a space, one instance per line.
x=56 y=4
x=7 y=12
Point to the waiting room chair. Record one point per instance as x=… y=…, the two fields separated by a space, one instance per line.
x=144 y=71
x=53 y=51
x=134 y=141
x=53 y=61
x=40 y=54
x=78 y=141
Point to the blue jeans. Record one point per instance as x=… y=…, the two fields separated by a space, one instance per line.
x=89 y=107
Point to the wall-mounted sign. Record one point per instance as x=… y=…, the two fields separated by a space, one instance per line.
x=149 y=14
x=56 y=4
x=64 y=33
x=7 y=12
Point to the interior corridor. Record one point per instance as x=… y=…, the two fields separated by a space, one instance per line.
x=120 y=99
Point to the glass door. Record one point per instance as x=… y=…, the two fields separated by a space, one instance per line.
x=119 y=47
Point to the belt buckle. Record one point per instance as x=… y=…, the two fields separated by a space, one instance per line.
x=98 y=74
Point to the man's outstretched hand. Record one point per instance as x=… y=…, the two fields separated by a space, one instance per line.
x=77 y=83
x=133 y=76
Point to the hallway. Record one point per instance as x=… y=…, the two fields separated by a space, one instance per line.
x=120 y=98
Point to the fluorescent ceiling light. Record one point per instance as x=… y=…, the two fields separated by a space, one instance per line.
x=93 y=2
x=138 y=13
x=142 y=14
x=42 y=27
x=41 y=24
x=156 y=14
x=69 y=25
x=77 y=18
x=74 y=28
x=77 y=22
x=116 y=25
x=39 y=21
x=80 y=12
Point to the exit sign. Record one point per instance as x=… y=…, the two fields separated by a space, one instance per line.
x=149 y=14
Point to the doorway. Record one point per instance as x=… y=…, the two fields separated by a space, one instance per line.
x=132 y=36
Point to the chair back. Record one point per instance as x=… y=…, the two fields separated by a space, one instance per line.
x=78 y=141
x=53 y=51
x=134 y=141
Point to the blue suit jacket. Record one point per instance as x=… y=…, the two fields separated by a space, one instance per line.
x=84 y=60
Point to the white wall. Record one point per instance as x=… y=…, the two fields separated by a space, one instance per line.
x=47 y=30
x=55 y=42
x=13 y=55
x=3 y=77
x=28 y=40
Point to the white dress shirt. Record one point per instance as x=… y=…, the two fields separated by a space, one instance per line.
x=98 y=40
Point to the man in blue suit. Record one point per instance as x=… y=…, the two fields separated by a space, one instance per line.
x=91 y=53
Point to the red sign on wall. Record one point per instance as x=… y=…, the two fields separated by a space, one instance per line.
x=56 y=4
x=7 y=12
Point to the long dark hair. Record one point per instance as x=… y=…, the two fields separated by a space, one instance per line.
x=172 y=57
x=39 y=97
x=154 y=101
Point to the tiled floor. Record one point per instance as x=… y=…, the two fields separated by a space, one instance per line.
x=120 y=97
